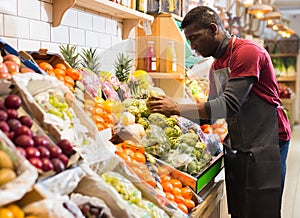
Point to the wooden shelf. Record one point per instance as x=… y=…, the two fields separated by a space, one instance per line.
x=129 y=17
x=286 y=79
x=283 y=55
x=166 y=75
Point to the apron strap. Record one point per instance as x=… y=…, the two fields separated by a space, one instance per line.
x=231 y=50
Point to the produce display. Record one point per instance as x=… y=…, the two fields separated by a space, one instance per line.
x=285 y=91
x=47 y=132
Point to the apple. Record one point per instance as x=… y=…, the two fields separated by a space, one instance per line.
x=21 y=151
x=11 y=135
x=5 y=75
x=36 y=162
x=4 y=126
x=12 y=101
x=3 y=68
x=66 y=147
x=3 y=115
x=12 y=113
x=64 y=159
x=13 y=58
x=44 y=152
x=13 y=124
x=26 y=70
x=12 y=66
x=47 y=164
x=58 y=165
x=55 y=151
x=40 y=140
x=1 y=104
x=32 y=152
x=26 y=120
x=24 y=141
x=23 y=130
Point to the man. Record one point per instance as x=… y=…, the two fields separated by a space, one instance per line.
x=243 y=89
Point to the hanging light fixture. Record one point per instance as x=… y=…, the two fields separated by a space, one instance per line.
x=271 y=16
x=277 y=26
x=259 y=10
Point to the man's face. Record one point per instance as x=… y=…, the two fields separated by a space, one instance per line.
x=202 y=40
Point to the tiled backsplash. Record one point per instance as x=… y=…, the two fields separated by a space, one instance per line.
x=27 y=25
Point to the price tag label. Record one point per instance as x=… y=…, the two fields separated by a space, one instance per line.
x=147 y=27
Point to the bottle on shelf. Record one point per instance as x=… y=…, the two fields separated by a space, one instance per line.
x=171 y=59
x=150 y=57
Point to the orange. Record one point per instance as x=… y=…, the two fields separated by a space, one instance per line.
x=69 y=81
x=183 y=208
x=70 y=87
x=119 y=150
x=129 y=152
x=45 y=66
x=167 y=187
x=176 y=183
x=51 y=73
x=179 y=199
x=169 y=196
x=108 y=106
x=165 y=178
x=6 y=213
x=60 y=77
x=190 y=204
x=173 y=202
x=176 y=191
x=99 y=126
x=73 y=73
x=60 y=72
x=187 y=193
x=61 y=66
x=139 y=157
x=163 y=171
x=16 y=210
x=98 y=111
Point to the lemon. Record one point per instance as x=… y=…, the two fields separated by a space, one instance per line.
x=6 y=213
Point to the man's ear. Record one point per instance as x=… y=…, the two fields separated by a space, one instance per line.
x=213 y=28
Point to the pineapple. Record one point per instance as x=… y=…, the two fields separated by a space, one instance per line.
x=69 y=54
x=123 y=67
x=91 y=59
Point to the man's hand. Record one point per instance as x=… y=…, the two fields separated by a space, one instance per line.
x=162 y=104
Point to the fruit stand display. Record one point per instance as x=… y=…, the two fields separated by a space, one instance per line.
x=87 y=153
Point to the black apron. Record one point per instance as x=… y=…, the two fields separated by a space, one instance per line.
x=252 y=161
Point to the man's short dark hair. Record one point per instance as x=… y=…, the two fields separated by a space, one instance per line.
x=201 y=16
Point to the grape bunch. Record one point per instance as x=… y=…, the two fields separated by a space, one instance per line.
x=91 y=211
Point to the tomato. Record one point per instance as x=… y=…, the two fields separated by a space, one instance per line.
x=187 y=193
x=183 y=208
x=190 y=204
x=169 y=196
x=139 y=157
x=176 y=183
x=167 y=187
x=176 y=191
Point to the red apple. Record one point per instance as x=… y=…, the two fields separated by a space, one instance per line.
x=13 y=124
x=11 y=113
x=12 y=101
x=47 y=164
x=5 y=75
x=11 y=135
x=64 y=159
x=26 y=120
x=3 y=115
x=66 y=147
x=58 y=165
x=1 y=104
x=22 y=151
x=40 y=140
x=4 y=126
x=36 y=162
x=12 y=66
x=24 y=141
x=44 y=151
x=32 y=152
x=23 y=130
x=3 y=68
x=13 y=58
x=55 y=151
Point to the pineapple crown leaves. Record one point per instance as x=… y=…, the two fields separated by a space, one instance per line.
x=70 y=55
x=90 y=59
x=122 y=67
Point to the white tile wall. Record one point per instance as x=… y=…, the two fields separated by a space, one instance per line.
x=85 y=21
x=8 y=7
x=28 y=45
x=60 y=34
x=39 y=30
x=29 y=9
x=1 y=25
x=91 y=39
x=46 y=12
x=70 y=18
x=77 y=36
x=27 y=24
x=16 y=26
